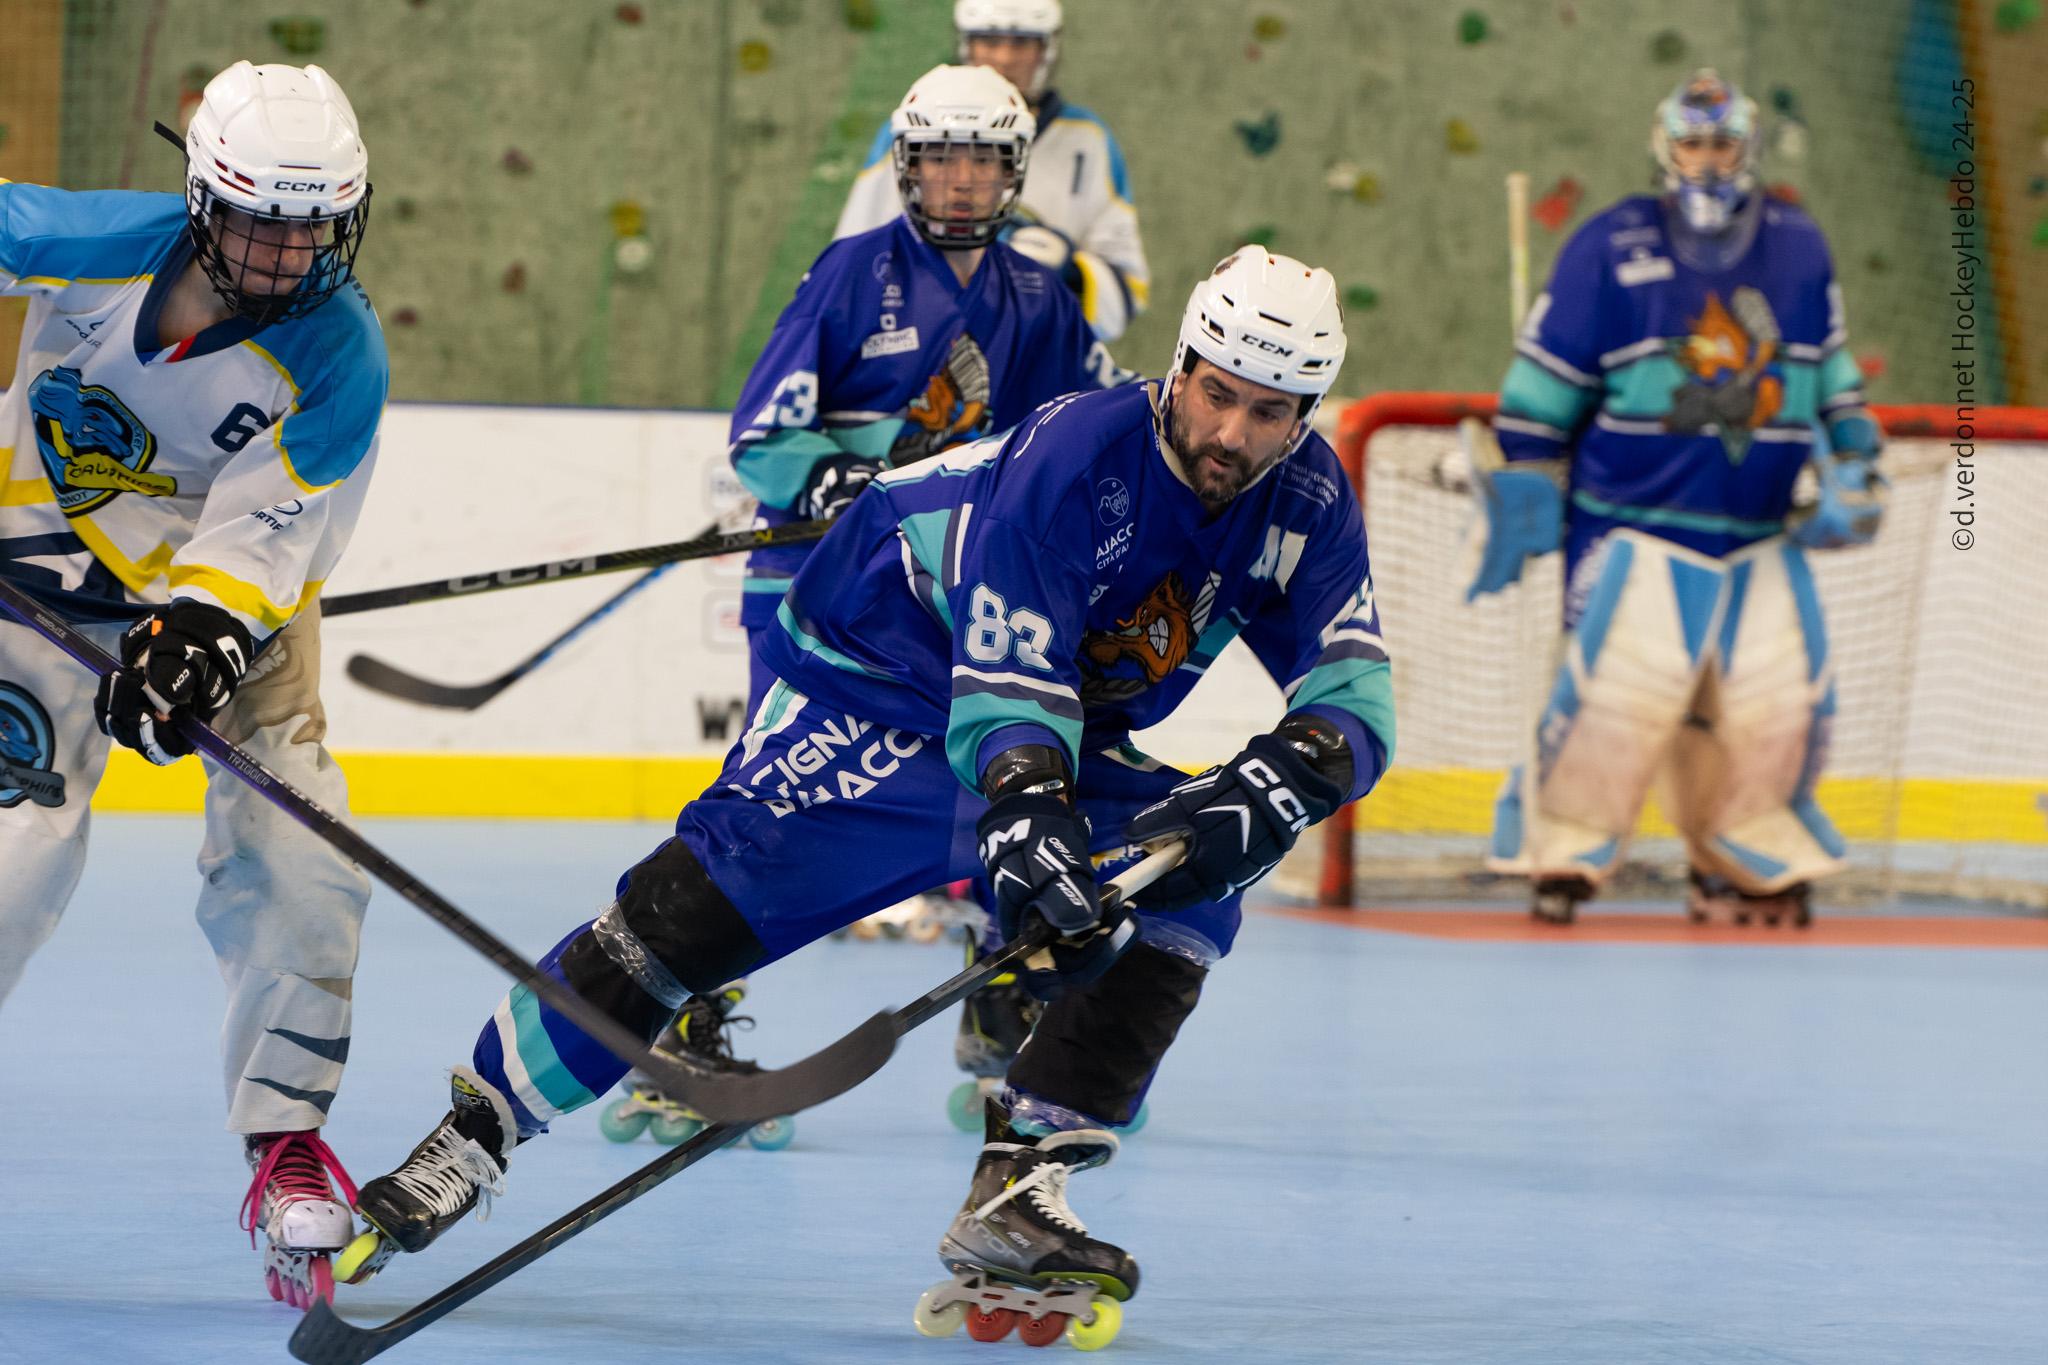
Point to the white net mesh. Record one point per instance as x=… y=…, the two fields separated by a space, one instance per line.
x=1938 y=774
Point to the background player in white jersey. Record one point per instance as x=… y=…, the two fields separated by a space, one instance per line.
x=192 y=422
x=1687 y=363
x=1075 y=216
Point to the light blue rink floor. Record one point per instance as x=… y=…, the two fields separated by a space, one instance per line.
x=1366 y=1147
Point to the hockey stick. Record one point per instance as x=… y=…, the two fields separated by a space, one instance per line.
x=727 y=1096
x=392 y=681
x=559 y=570
x=325 y=1338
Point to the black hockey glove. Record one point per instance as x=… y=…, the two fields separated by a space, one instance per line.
x=1035 y=846
x=186 y=657
x=1239 y=820
x=834 y=483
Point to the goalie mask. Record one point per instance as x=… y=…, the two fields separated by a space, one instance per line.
x=1038 y=19
x=277 y=190
x=1714 y=126
x=1269 y=319
x=962 y=140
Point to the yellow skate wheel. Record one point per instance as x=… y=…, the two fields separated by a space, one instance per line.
x=937 y=1322
x=1101 y=1329
x=361 y=1258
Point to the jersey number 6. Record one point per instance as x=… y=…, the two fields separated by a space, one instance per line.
x=996 y=631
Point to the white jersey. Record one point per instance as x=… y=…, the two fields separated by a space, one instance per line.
x=1074 y=184
x=229 y=467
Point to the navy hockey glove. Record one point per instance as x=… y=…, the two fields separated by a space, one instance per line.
x=186 y=657
x=1239 y=820
x=1035 y=846
x=833 y=484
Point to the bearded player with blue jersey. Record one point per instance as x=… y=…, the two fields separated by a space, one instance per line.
x=187 y=440
x=957 y=670
x=1687 y=362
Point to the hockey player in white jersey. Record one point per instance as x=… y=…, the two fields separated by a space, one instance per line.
x=190 y=427
x=1688 y=361
x=1075 y=215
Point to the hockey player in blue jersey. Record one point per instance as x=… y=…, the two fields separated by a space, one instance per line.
x=957 y=671
x=1074 y=215
x=1688 y=360
x=185 y=450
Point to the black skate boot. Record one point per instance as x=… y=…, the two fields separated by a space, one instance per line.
x=1715 y=898
x=994 y=1022
x=458 y=1167
x=1020 y=1257
x=703 y=1034
x=1557 y=899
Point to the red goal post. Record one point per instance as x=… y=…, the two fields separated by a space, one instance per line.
x=1440 y=807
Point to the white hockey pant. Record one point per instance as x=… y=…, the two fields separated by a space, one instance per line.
x=282 y=910
x=1709 y=676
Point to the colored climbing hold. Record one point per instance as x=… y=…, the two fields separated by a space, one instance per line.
x=630 y=15
x=1784 y=101
x=1667 y=47
x=2014 y=15
x=513 y=281
x=1567 y=14
x=1367 y=190
x=404 y=209
x=2038 y=185
x=1876 y=263
x=1873 y=364
x=632 y=255
x=629 y=219
x=1782 y=191
x=862 y=16
x=1471 y=27
x=299 y=35
x=1459 y=137
x=516 y=161
x=1262 y=137
x=756 y=55
x=1788 y=143
x=406 y=317
x=1263 y=234
x=2041 y=233
x=1361 y=298
x=1342 y=176
x=1558 y=203
x=1269 y=28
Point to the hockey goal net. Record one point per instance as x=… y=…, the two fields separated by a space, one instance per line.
x=1938 y=771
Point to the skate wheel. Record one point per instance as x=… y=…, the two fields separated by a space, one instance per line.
x=937 y=1322
x=926 y=931
x=622 y=1122
x=964 y=1107
x=1101 y=1327
x=772 y=1135
x=323 y=1283
x=1696 y=915
x=671 y=1131
x=274 y=1282
x=1139 y=1119
x=1802 y=918
x=990 y=1326
x=1042 y=1331
x=362 y=1258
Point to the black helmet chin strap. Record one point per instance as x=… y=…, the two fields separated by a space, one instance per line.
x=167 y=135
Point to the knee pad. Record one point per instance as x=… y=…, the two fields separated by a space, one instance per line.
x=1095 y=1048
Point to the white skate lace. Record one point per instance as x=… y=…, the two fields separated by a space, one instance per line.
x=1047 y=1187
x=444 y=1174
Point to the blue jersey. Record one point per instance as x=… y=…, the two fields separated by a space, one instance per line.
x=1687 y=399
x=883 y=355
x=1061 y=584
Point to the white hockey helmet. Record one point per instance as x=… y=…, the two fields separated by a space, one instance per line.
x=968 y=106
x=1040 y=19
x=1269 y=319
x=280 y=144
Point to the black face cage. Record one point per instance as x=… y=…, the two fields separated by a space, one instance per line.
x=958 y=234
x=224 y=249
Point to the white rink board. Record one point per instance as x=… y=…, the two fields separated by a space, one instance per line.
x=470 y=489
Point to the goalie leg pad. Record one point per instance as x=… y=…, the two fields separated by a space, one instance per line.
x=1741 y=780
x=1093 y=1054
x=1642 y=613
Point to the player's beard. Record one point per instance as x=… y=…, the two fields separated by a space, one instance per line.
x=1217 y=475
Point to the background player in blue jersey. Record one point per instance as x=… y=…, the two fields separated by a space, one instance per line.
x=1074 y=215
x=1687 y=362
x=187 y=442
x=958 y=669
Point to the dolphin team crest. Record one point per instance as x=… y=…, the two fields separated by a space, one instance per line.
x=93 y=447
x=27 y=748
x=1734 y=382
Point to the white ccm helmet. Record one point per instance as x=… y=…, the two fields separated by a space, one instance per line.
x=1040 y=19
x=1269 y=319
x=966 y=106
x=281 y=144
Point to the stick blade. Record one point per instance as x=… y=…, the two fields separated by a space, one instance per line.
x=728 y=1097
x=379 y=676
x=323 y=1338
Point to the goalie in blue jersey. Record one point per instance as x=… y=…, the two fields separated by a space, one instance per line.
x=1687 y=362
x=957 y=670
